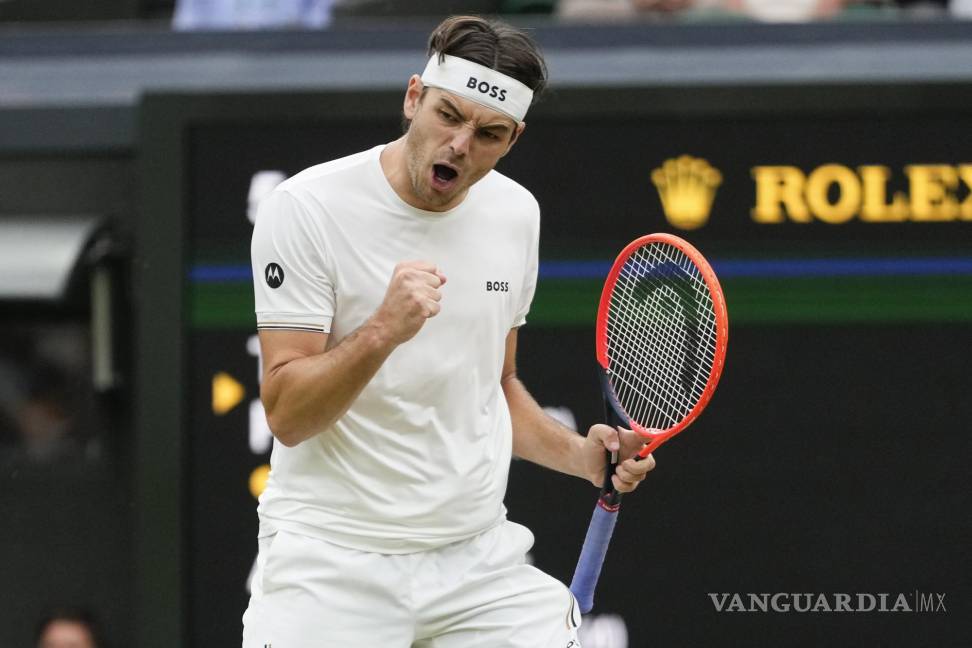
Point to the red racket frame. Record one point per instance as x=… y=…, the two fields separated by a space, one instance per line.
x=655 y=438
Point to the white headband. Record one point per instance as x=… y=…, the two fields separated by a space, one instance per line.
x=480 y=84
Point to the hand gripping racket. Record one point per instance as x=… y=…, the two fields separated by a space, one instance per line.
x=661 y=338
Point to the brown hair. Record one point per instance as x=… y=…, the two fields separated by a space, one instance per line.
x=492 y=44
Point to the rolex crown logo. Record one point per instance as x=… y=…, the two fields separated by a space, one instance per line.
x=687 y=187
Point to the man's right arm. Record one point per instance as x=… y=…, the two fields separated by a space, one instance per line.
x=307 y=387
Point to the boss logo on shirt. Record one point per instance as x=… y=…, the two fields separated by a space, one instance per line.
x=274 y=275
x=497 y=286
x=493 y=91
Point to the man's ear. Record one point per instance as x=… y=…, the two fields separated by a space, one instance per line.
x=413 y=96
x=515 y=137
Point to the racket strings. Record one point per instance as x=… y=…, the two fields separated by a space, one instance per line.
x=661 y=336
x=653 y=384
x=654 y=387
x=666 y=345
x=671 y=338
x=644 y=378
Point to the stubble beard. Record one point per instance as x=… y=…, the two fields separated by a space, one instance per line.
x=418 y=176
x=415 y=166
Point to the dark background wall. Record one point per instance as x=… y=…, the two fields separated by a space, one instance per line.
x=805 y=475
x=67 y=535
x=801 y=477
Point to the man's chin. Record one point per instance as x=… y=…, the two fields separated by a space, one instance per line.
x=436 y=200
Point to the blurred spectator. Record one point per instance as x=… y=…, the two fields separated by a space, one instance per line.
x=961 y=9
x=399 y=8
x=922 y=8
x=787 y=10
x=45 y=420
x=599 y=10
x=46 y=414
x=69 y=628
x=664 y=6
x=251 y=14
x=761 y=10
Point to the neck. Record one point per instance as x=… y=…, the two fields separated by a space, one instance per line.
x=395 y=168
x=394 y=164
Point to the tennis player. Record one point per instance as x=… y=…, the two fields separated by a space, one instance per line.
x=389 y=288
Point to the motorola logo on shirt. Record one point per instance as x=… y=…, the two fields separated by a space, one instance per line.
x=274 y=275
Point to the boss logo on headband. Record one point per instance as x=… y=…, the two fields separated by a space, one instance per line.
x=493 y=91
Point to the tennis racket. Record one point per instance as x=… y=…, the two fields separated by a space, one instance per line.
x=661 y=336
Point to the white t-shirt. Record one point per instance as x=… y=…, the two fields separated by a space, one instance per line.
x=422 y=456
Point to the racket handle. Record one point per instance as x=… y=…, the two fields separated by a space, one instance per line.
x=592 y=556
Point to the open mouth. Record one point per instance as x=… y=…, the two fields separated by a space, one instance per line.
x=443 y=175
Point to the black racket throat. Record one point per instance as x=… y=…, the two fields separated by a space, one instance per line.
x=610 y=498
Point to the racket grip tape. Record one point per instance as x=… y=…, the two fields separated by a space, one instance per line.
x=592 y=556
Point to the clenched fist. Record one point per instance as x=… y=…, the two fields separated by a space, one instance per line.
x=412 y=297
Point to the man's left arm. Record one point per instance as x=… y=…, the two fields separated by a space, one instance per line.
x=539 y=438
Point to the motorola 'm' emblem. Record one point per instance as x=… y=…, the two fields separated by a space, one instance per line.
x=274 y=275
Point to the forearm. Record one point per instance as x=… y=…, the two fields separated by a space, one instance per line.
x=306 y=395
x=539 y=438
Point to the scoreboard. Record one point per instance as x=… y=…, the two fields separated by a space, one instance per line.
x=832 y=459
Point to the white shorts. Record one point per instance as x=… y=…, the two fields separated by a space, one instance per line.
x=479 y=593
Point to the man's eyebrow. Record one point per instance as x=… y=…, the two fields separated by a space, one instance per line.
x=503 y=126
x=452 y=106
x=499 y=126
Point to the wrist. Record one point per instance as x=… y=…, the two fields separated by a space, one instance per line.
x=378 y=333
x=582 y=454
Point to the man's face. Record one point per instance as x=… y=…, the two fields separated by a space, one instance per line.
x=451 y=144
x=66 y=634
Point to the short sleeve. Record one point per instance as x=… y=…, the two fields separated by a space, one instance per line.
x=292 y=282
x=532 y=266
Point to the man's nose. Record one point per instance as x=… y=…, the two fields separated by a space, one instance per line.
x=461 y=141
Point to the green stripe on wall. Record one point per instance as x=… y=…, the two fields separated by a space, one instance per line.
x=571 y=302
x=222 y=306
x=850 y=300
